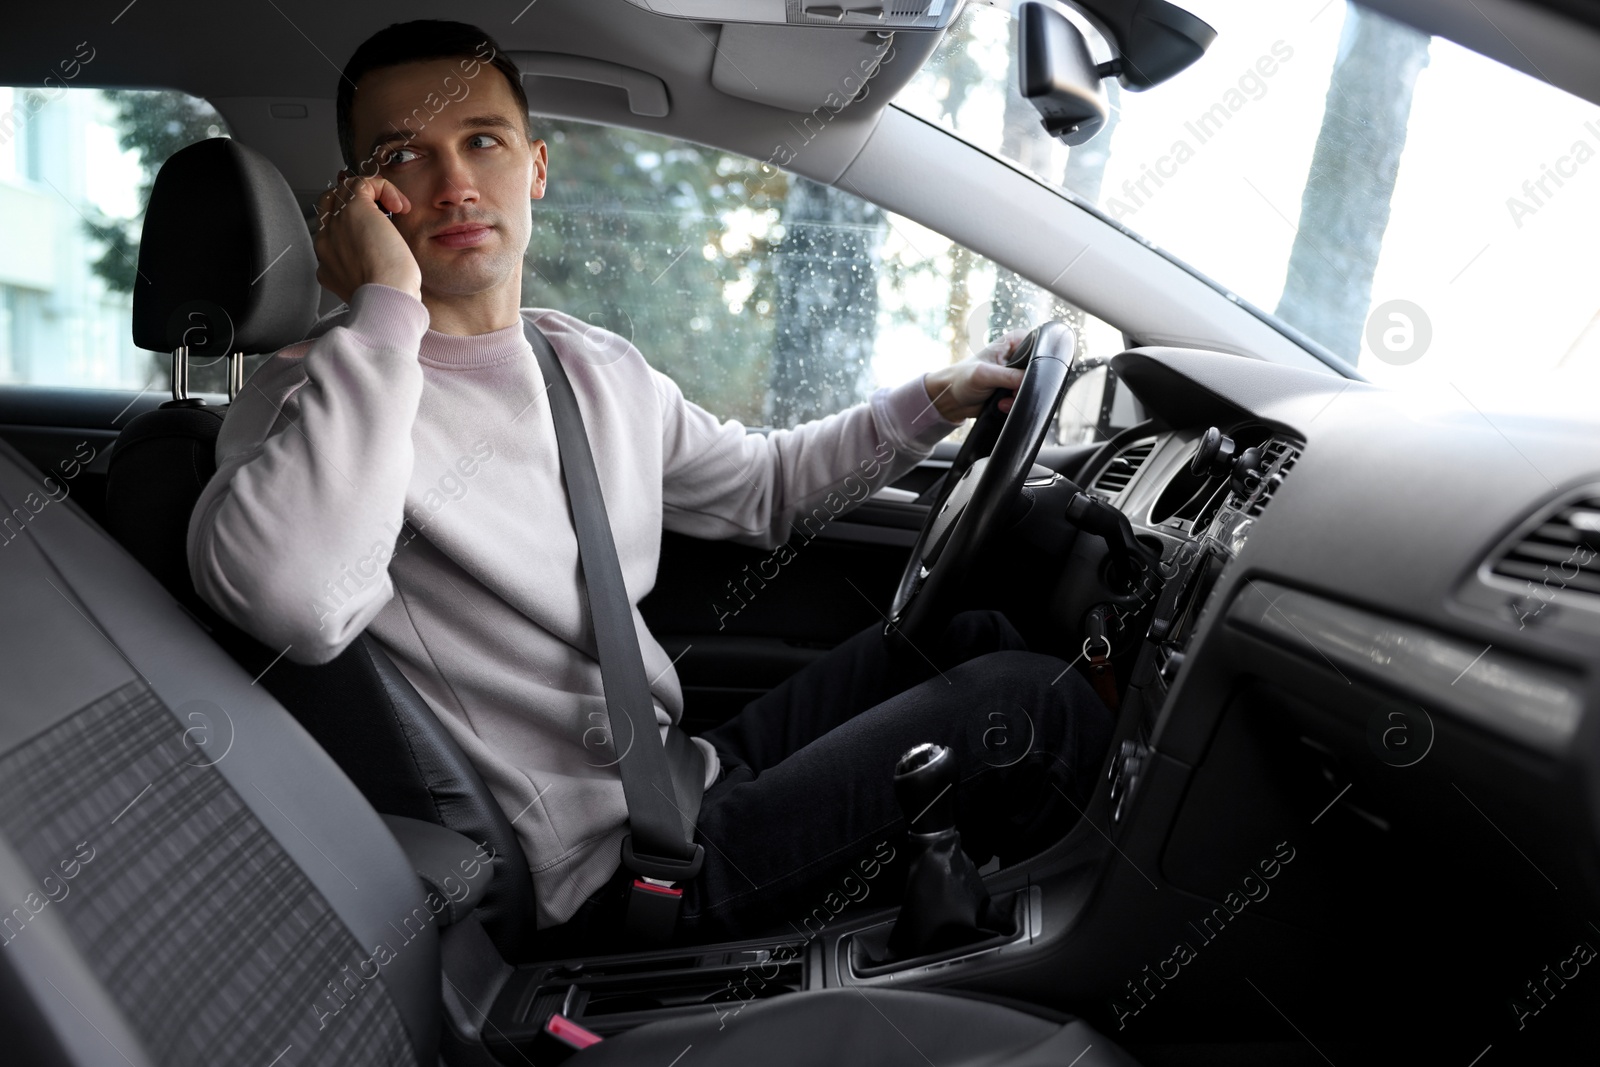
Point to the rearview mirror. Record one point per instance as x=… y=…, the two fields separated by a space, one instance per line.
x=1057 y=75
x=1151 y=40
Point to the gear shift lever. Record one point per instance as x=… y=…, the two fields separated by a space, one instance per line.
x=925 y=785
x=946 y=904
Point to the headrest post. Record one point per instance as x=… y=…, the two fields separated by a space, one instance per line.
x=235 y=375
x=180 y=373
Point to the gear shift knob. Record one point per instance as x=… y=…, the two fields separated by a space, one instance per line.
x=924 y=785
x=946 y=903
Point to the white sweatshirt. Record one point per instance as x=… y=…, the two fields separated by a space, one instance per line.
x=382 y=476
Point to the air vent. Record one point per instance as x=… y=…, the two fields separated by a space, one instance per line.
x=1279 y=457
x=1561 y=552
x=1120 y=471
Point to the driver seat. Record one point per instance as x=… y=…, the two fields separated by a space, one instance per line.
x=223 y=238
x=186 y=899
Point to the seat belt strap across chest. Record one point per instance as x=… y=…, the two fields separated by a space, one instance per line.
x=661 y=783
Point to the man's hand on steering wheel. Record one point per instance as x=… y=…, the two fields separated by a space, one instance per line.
x=959 y=391
x=976 y=497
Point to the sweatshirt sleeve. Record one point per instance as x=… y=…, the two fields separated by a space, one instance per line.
x=291 y=538
x=720 y=481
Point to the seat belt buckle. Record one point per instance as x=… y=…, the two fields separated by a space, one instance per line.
x=653 y=910
x=654 y=896
x=559 y=1038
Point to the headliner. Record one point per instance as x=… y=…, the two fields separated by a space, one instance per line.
x=245 y=57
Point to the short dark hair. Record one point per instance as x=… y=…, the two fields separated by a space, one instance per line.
x=415 y=42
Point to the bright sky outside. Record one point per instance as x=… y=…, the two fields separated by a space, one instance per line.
x=1501 y=291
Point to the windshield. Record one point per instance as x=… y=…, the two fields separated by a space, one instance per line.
x=1421 y=211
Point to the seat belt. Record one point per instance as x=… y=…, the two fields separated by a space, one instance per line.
x=662 y=784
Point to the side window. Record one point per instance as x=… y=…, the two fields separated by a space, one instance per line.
x=767 y=297
x=76 y=166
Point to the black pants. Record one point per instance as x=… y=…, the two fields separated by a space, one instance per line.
x=803 y=824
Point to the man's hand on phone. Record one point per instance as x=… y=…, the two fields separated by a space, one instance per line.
x=356 y=244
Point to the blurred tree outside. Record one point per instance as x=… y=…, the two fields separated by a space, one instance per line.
x=155 y=125
x=1016 y=301
x=964 y=66
x=827 y=314
x=1344 y=209
x=961 y=72
x=754 y=290
x=670 y=245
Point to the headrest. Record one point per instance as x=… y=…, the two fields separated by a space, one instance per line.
x=223 y=231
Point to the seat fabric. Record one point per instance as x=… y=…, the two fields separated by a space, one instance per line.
x=186 y=877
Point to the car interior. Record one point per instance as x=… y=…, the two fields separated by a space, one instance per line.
x=1349 y=637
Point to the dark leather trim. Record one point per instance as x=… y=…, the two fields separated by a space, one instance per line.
x=155 y=473
x=884 y=1027
x=447 y=862
x=376 y=726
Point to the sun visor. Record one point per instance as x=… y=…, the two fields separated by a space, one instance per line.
x=543 y=72
x=802 y=68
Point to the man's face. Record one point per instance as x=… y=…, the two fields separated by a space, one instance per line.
x=456 y=146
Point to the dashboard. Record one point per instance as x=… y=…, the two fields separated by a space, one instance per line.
x=1384 y=554
x=1198 y=503
x=1376 y=654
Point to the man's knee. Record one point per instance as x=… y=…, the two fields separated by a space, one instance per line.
x=971 y=634
x=1046 y=690
x=1011 y=668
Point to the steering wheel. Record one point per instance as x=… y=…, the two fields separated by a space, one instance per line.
x=984 y=480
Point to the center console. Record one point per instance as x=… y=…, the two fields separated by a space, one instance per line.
x=1202 y=518
x=946 y=920
x=608 y=995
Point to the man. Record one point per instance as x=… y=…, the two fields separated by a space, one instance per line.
x=398 y=473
